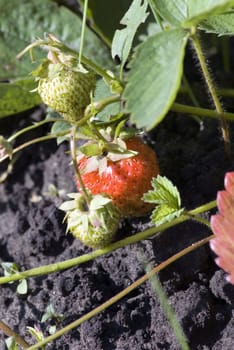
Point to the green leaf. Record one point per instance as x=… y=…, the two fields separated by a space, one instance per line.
x=167 y=198
x=164 y=213
x=11 y=344
x=154 y=78
x=22 y=287
x=36 y=333
x=52 y=329
x=5 y=147
x=9 y=268
x=16 y=97
x=102 y=91
x=91 y=149
x=49 y=313
x=23 y=21
x=173 y=11
x=123 y=39
x=200 y=10
x=220 y=24
x=58 y=127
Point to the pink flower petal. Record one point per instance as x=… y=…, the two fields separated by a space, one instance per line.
x=229 y=182
x=225 y=203
x=222 y=225
x=222 y=228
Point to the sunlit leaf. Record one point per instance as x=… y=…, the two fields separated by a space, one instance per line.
x=173 y=11
x=123 y=38
x=154 y=78
x=166 y=197
x=22 y=287
x=199 y=10
x=220 y=24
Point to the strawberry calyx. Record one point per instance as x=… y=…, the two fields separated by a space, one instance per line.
x=99 y=151
x=94 y=224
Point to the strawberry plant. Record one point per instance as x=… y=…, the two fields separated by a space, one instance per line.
x=108 y=138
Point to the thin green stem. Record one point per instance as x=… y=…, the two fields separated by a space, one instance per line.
x=31 y=127
x=168 y=310
x=190 y=92
x=31 y=142
x=42 y=270
x=122 y=294
x=95 y=130
x=203 y=112
x=226 y=92
x=10 y=333
x=221 y=91
x=53 y=44
x=83 y=30
x=75 y=165
x=199 y=219
x=155 y=13
x=213 y=92
x=97 y=107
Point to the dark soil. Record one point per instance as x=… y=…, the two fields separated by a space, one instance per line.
x=32 y=234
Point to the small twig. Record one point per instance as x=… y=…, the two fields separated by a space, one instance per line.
x=10 y=333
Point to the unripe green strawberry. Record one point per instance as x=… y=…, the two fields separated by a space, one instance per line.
x=95 y=225
x=66 y=89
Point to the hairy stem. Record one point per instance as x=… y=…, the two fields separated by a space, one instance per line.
x=10 y=333
x=213 y=92
x=42 y=270
x=122 y=294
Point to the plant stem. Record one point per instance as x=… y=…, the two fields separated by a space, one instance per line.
x=190 y=92
x=155 y=13
x=168 y=310
x=55 y=45
x=10 y=333
x=31 y=142
x=96 y=107
x=41 y=270
x=203 y=112
x=75 y=165
x=221 y=91
x=213 y=92
x=122 y=294
x=199 y=219
x=31 y=127
x=83 y=30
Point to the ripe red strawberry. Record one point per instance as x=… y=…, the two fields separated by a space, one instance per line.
x=125 y=180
